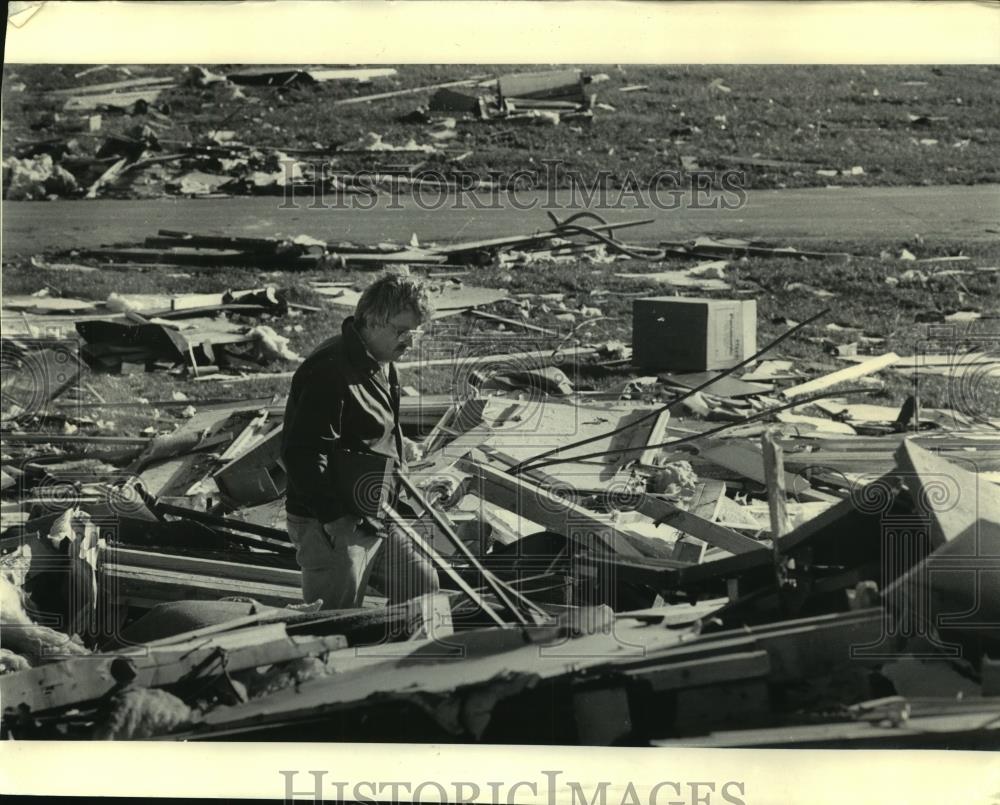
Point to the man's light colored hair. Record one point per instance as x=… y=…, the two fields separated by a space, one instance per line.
x=390 y=295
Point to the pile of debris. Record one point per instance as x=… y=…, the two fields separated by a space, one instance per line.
x=545 y=98
x=693 y=558
x=190 y=334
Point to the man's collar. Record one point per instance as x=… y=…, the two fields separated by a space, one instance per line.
x=356 y=348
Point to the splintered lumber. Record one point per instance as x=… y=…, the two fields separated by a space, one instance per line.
x=214 y=568
x=112 y=86
x=107 y=177
x=144 y=578
x=253 y=474
x=843 y=529
x=536 y=503
x=86 y=103
x=663 y=511
x=850 y=373
x=428 y=550
x=745 y=459
x=88 y=679
x=657 y=435
x=521 y=429
x=76 y=438
x=550 y=510
x=774 y=476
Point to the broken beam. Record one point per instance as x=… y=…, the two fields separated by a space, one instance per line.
x=88 y=679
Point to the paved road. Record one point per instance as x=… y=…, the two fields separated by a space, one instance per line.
x=958 y=212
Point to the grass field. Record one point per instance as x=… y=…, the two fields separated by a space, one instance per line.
x=901 y=125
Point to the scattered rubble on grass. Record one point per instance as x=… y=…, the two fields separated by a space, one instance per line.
x=701 y=555
x=142 y=159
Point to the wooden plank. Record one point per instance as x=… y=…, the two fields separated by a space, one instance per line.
x=850 y=373
x=196 y=566
x=112 y=86
x=663 y=511
x=107 y=177
x=254 y=475
x=552 y=511
x=442 y=565
x=708 y=500
x=88 y=679
x=146 y=587
x=76 y=438
x=657 y=435
x=774 y=477
x=86 y=103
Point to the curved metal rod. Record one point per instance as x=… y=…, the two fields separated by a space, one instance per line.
x=638 y=252
x=576 y=217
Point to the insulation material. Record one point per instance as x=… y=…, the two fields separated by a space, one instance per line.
x=11 y=662
x=75 y=532
x=272 y=345
x=676 y=479
x=21 y=635
x=143 y=713
x=27 y=179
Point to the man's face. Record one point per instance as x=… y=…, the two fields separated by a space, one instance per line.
x=388 y=341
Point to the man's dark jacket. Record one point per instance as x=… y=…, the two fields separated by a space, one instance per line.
x=340 y=400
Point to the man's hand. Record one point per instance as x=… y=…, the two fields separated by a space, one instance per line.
x=412 y=451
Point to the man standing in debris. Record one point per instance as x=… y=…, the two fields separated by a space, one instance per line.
x=341 y=425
